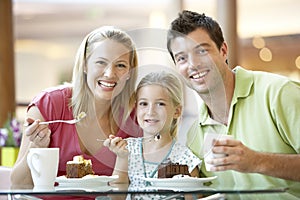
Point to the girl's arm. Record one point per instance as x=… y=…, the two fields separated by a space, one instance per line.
x=121 y=169
x=118 y=146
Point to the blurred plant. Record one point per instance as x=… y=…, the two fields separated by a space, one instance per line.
x=11 y=133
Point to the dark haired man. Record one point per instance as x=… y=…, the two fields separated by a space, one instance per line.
x=260 y=110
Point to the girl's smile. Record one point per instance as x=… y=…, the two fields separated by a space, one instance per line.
x=155 y=109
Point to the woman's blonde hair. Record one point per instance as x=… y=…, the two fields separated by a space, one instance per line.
x=82 y=98
x=172 y=84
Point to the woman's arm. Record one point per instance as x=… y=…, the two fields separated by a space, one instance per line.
x=34 y=136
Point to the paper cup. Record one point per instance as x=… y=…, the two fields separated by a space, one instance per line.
x=209 y=144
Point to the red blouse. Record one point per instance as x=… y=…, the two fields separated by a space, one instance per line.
x=53 y=104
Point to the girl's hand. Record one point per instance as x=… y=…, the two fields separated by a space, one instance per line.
x=38 y=134
x=117 y=145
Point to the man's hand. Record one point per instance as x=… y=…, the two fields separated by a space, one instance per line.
x=239 y=157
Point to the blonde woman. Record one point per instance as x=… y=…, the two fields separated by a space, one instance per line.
x=104 y=76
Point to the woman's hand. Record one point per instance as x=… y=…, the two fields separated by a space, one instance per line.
x=38 y=134
x=117 y=145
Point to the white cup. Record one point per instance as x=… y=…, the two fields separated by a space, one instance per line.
x=209 y=144
x=43 y=164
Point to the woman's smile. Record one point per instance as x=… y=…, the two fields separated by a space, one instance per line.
x=107 y=84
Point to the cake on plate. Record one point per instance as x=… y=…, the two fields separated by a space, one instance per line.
x=79 y=167
x=169 y=169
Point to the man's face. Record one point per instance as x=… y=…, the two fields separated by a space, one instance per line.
x=199 y=61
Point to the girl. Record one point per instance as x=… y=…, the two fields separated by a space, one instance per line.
x=158 y=103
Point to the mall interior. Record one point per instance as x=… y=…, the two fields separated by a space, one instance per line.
x=39 y=38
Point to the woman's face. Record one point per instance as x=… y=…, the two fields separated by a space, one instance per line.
x=107 y=69
x=155 y=110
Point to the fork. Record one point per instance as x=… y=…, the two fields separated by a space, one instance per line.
x=71 y=121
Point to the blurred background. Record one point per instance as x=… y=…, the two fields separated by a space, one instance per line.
x=47 y=34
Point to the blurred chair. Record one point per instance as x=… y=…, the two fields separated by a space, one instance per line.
x=5 y=177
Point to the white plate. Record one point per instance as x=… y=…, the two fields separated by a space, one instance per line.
x=103 y=188
x=179 y=182
x=88 y=180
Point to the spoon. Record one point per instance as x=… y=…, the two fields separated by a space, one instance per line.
x=156 y=137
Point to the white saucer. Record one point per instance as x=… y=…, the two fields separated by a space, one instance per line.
x=89 y=180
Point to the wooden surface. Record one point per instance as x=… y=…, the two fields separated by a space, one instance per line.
x=7 y=81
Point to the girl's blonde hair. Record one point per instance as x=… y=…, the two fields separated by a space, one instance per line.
x=82 y=97
x=172 y=84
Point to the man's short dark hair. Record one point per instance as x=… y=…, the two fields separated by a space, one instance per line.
x=188 y=22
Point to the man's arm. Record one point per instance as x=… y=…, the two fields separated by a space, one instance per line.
x=243 y=159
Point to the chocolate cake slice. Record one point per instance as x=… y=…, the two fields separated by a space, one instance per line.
x=168 y=170
x=79 y=167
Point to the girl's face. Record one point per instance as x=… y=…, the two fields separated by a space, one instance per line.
x=155 y=110
x=107 y=69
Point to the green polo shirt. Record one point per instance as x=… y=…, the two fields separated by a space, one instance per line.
x=264 y=115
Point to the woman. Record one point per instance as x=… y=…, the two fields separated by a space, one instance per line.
x=104 y=75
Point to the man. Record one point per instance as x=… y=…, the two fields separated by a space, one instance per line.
x=260 y=110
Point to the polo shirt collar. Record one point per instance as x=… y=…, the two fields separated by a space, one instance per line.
x=243 y=84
